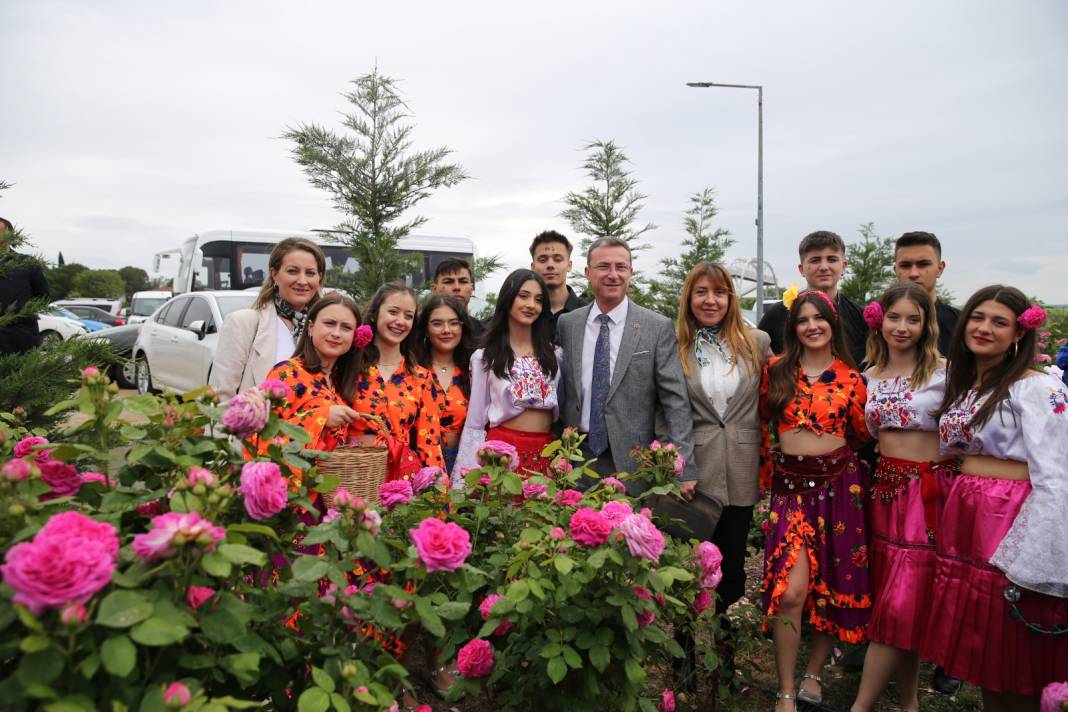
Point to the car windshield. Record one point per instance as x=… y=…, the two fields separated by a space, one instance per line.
x=144 y=306
x=230 y=303
x=66 y=314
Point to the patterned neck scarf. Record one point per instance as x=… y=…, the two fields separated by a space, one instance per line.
x=286 y=311
x=708 y=339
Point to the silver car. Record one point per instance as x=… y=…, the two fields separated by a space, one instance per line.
x=176 y=346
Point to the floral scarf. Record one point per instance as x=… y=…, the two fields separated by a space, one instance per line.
x=286 y=311
x=708 y=339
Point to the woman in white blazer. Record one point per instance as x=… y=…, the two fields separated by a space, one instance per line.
x=253 y=340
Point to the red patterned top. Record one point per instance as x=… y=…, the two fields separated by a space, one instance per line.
x=407 y=402
x=452 y=404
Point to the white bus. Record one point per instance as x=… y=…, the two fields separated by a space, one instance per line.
x=237 y=259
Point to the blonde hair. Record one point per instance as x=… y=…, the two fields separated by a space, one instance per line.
x=274 y=263
x=733 y=329
x=927 y=356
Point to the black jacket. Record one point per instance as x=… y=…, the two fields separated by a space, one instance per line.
x=947 y=316
x=856 y=330
x=21 y=280
x=573 y=302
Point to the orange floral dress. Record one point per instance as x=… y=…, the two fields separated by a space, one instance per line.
x=452 y=407
x=407 y=403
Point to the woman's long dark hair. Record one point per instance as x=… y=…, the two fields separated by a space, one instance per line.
x=498 y=356
x=782 y=375
x=961 y=373
x=424 y=352
x=345 y=367
x=370 y=353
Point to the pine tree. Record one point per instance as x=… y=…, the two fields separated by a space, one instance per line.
x=871 y=266
x=373 y=177
x=704 y=244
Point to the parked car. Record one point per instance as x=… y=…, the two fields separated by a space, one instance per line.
x=122 y=340
x=57 y=328
x=176 y=346
x=94 y=313
x=89 y=324
x=111 y=306
x=142 y=304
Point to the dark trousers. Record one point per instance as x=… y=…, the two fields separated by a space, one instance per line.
x=730 y=536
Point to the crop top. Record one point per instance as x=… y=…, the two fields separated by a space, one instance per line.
x=833 y=404
x=894 y=405
x=496 y=400
x=1031 y=426
x=452 y=404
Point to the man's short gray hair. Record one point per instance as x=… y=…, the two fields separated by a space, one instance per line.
x=609 y=241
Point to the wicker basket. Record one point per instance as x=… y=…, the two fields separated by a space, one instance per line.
x=361 y=470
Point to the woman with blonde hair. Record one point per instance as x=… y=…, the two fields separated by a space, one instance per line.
x=253 y=340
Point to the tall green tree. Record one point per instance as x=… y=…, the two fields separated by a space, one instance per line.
x=705 y=243
x=871 y=266
x=105 y=283
x=61 y=278
x=134 y=279
x=373 y=176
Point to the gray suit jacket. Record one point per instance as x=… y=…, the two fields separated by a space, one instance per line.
x=647 y=376
x=727 y=445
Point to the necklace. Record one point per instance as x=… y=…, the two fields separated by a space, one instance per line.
x=444 y=369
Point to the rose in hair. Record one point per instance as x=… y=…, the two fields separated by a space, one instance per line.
x=873 y=316
x=1032 y=318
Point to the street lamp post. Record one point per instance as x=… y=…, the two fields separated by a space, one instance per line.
x=760 y=184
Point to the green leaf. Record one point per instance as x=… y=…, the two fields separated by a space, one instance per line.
x=630 y=621
x=551 y=650
x=40 y=668
x=244 y=666
x=122 y=609
x=572 y=658
x=118 y=655
x=35 y=643
x=253 y=529
x=310 y=568
x=557 y=670
x=564 y=564
x=131 y=432
x=339 y=703
x=517 y=591
x=215 y=564
x=158 y=632
x=429 y=617
x=597 y=558
x=144 y=404
x=314 y=699
x=453 y=610
x=28 y=619
x=89 y=666
x=71 y=703
x=222 y=626
x=241 y=554
x=322 y=679
x=535 y=587
x=635 y=671
x=600 y=657
x=512 y=483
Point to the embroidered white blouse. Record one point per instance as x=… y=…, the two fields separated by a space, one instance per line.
x=1031 y=426
x=893 y=404
x=497 y=400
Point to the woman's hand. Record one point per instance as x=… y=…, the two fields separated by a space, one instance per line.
x=341 y=415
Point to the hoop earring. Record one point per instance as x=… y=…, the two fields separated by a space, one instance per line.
x=1015 y=349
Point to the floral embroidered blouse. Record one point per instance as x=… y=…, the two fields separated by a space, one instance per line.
x=1030 y=426
x=452 y=404
x=832 y=404
x=893 y=404
x=407 y=403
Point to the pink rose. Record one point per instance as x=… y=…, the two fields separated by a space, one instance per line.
x=442 y=546
x=200 y=476
x=74 y=614
x=68 y=561
x=615 y=483
x=150 y=509
x=427 y=477
x=176 y=696
x=25 y=446
x=1054 y=695
x=61 y=477
x=275 y=390
x=16 y=470
x=247 y=413
x=498 y=452
x=667 y=702
x=172 y=530
x=390 y=494
x=475 y=659
x=535 y=490
x=643 y=538
x=343 y=499
x=89 y=372
x=680 y=464
x=702 y=601
x=1032 y=318
x=644 y=617
x=557 y=533
x=263 y=488
x=562 y=466
x=97 y=477
x=197 y=596
x=589 y=527
x=709 y=561
x=616 y=511
x=363 y=336
x=371 y=520
x=569 y=497
x=486 y=610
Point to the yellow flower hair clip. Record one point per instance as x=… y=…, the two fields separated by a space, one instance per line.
x=789 y=296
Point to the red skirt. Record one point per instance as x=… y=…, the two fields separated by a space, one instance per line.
x=528 y=445
x=969 y=629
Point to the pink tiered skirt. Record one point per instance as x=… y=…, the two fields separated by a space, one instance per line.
x=969 y=631
x=906 y=503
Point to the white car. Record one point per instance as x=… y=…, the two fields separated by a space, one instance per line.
x=142 y=304
x=176 y=346
x=58 y=328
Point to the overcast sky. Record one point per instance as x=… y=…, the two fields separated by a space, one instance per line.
x=127 y=126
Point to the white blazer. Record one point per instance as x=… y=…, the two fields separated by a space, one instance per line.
x=247 y=351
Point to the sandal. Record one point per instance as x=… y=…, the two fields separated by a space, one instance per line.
x=785 y=696
x=813 y=698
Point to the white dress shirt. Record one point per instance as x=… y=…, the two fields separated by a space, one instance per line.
x=285 y=345
x=720 y=378
x=617 y=321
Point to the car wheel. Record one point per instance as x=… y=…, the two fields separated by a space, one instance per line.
x=50 y=338
x=144 y=376
x=125 y=373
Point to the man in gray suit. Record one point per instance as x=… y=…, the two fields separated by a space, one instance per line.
x=621 y=365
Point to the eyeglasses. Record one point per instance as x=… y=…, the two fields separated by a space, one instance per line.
x=621 y=267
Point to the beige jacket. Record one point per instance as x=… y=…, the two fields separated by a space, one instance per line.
x=248 y=342
x=727 y=445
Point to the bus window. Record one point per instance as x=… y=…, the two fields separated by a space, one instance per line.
x=215 y=271
x=251 y=263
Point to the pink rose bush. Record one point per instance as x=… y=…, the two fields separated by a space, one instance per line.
x=68 y=561
x=702 y=601
x=709 y=560
x=475 y=659
x=61 y=477
x=442 y=546
x=264 y=489
x=569 y=497
x=667 y=702
x=485 y=609
x=394 y=493
x=275 y=390
x=174 y=530
x=616 y=511
x=176 y=696
x=615 y=483
x=643 y=539
x=16 y=470
x=1054 y=697
x=247 y=413
x=589 y=527
x=499 y=453
x=197 y=596
x=535 y=490
x=428 y=477
x=26 y=445
x=645 y=617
